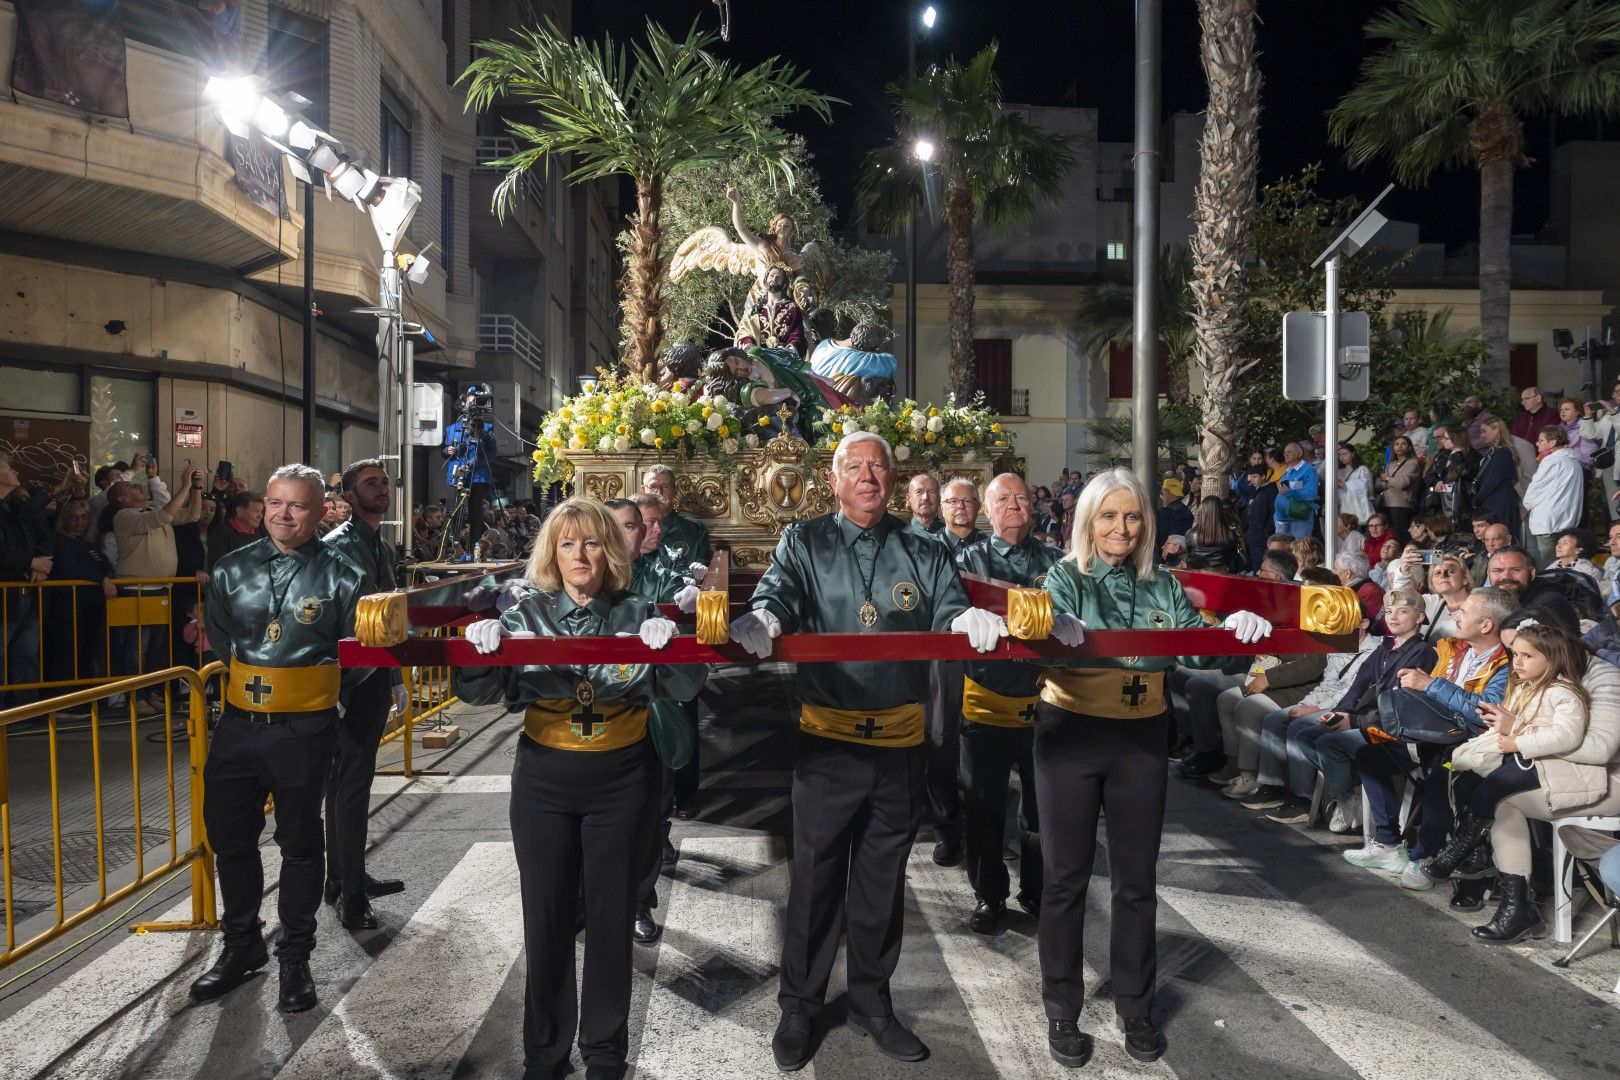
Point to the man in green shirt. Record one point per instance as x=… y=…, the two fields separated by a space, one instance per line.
x=857 y=769
x=961 y=514
x=959 y=499
x=922 y=499
x=348 y=785
x=685 y=541
x=998 y=715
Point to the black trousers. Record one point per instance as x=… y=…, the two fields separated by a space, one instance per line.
x=989 y=755
x=1516 y=773
x=944 y=723
x=855 y=814
x=348 y=782
x=652 y=863
x=247 y=761
x=579 y=816
x=1085 y=766
x=688 y=776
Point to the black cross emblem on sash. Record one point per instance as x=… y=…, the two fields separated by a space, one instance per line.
x=257 y=689
x=1134 y=691
x=1027 y=713
x=869 y=729
x=586 y=720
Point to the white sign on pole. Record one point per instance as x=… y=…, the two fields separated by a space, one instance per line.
x=1305 y=345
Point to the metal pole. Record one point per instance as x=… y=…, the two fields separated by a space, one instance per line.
x=389 y=335
x=1145 y=306
x=407 y=488
x=309 y=324
x=1330 y=423
x=911 y=234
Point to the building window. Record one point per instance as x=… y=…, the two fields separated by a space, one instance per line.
x=1524 y=365
x=394 y=158
x=447 y=229
x=121 y=414
x=328 y=446
x=992 y=372
x=295 y=57
x=1120 y=370
x=447 y=33
x=1116 y=251
x=43 y=390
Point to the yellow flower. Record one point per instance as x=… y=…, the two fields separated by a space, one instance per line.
x=659 y=443
x=958 y=441
x=933 y=410
x=996 y=428
x=677 y=431
x=930 y=436
x=707 y=412
x=539 y=455
x=565 y=414
x=659 y=406
x=722 y=431
x=623 y=429
x=594 y=418
x=556 y=442
x=838 y=429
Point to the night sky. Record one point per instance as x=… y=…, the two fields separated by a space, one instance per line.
x=1056 y=52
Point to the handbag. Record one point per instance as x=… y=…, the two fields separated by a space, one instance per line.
x=671 y=734
x=1299 y=509
x=1478 y=755
x=1604 y=458
x=1417 y=725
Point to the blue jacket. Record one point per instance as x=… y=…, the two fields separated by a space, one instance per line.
x=1309 y=487
x=1465 y=704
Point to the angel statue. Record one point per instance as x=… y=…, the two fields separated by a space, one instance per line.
x=803 y=272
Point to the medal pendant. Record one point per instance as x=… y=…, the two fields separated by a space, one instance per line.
x=585 y=693
x=867 y=614
x=273 y=631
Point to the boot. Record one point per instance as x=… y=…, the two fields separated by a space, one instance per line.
x=1468 y=894
x=1470 y=831
x=1516 y=917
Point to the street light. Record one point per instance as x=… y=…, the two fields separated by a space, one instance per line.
x=929 y=16
x=923 y=149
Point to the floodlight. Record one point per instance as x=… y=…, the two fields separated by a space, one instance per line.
x=923 y=148
x=237 y=99
x=323 y=158
x=352 y=181
x=271 y=118
x=417 y=272
x=587 y=383
x=929 y=15
x=304 y=136
x=392 y=210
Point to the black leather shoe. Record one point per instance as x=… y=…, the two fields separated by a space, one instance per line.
x=645 y=930
x=790 y=1046
x=948 y=853
x=986 y=918
x=1200 y=763
x=1070 y=1047
x=890 y=1035
x=333 y=890
x=376 y=887
x=1143 y=1040
x=670 y=856
x=1468 y=894
x=355 y=913
x=684 y=813
x=230 y=971
x=1516 y=916
x=1030 y=904
x=297 y=986
x=604 y=1072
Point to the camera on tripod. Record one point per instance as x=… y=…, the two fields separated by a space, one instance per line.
x=469 y=441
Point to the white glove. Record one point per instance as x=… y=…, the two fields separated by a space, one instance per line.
x=486 y=634
x=654 y=633
x=755 y=630
x=984 y=629
x=696 y=572
x=1068 y=630
x=686 y=598
x=402 y=699
x=511 y=592
x=1248 y=626
x=343 y=710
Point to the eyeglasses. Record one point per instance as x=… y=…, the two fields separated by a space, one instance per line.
x=963 y=502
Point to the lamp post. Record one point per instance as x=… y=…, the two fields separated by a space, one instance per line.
x=928 y=17
x=1145 y=236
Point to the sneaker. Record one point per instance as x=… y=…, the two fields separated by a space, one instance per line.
x=1224 y=775
x=1415 y=879
x=1346 y=817
x=1264 y=797
x=1376 y=856
x=1293 y=811
x=1242 y=787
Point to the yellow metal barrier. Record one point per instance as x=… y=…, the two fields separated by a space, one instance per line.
x=54 y=635
x=194 y=855
x=430 y=695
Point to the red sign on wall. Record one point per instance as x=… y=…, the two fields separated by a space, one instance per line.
x=188 y=436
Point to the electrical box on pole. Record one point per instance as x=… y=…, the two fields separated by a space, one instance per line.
x=1305 y=353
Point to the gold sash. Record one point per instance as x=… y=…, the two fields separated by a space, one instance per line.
x=283 y=689
x=565 y=724
x=899 y=727
x=982 y=705
x=1109 y=692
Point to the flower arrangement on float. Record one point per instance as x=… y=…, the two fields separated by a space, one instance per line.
x=929 y=433
x=622 y=417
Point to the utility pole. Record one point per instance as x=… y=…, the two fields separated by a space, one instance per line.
x=1145 y=284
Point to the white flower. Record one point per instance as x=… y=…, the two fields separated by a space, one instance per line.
x=971 y=455
x=851 y=426
x=936 y=424
x=663 y=395
x=902 y=452
x=918 y=421
x=729 y=446
x=677 y=398
x=622 y=443
x=648 y=436
x=577 y=442
x=605 y=443
x=751 y=441
x=702 y=400
x=714 y=421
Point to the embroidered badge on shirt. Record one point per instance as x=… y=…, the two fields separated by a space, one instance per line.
x=308 y=610
x=904 y=595
x=1159 y=619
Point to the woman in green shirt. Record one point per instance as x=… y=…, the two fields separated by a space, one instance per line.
x=1100 y=733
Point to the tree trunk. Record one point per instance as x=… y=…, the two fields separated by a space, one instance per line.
x=1223 y=221
x=643 y=284
x=959 y=271
x=1497 y=139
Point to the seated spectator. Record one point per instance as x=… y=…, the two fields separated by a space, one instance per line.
x=1448 y=586
x=1173 y=550
x=1379 y=572
x=1546 y=599
x=1213 y=543
x=1349 y=533
x=1611 y=566
x=1556 y=497
x=1328 y=742
x=1377 y=535
x=1278 y=566
x=1278 y=771
x=1353 y=572
x=1307 y=553
x=1570 y=550
x=1470 y=670
x=1273 y=682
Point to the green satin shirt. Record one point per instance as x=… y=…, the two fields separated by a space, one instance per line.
x=685 y=541
x=556 y=615
x=655 y=578
x=1024 y=564
x=815 y=584
x=926 y=530
x=310 y=591
x=365 y=547
x=954 y=544
x=1112 y=598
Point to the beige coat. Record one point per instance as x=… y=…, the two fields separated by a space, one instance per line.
x=1555 y=738
x=1399 y=481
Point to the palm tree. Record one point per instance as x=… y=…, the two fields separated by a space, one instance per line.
x=1453 y=85
x=649 y=112
x=1223 y=225
x=1108 y=311
x=998 y=170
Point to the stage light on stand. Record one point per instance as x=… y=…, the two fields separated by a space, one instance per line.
x=271 y=119
x=237 y=100
x=393 y=209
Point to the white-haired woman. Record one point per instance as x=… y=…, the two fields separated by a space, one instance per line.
x=585 y=782
x=1100 y=733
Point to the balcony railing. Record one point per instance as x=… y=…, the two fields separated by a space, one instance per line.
x=1019 y=406
x=493 y=147
x=503 y=333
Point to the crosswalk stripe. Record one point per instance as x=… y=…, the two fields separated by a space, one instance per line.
x=713 y=1001
x=999 y=980
x=480 y=784
x=416 y=1009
